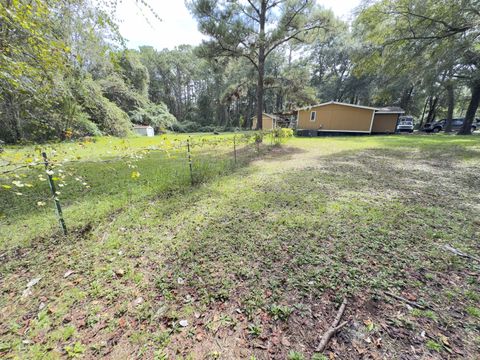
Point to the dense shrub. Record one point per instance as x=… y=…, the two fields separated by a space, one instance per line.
x=109 y=118
x=186 y=127
x=207 y=128
x=116 y=90
x=190 y=126
x=156 y=115
x=83 y=126
x=281 y=135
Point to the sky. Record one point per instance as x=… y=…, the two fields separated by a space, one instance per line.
x=178 y=26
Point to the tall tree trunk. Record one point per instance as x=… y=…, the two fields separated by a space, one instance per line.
x=451 y=105
x=471 y=111
x=432 y=109
x=261 y=65
x=424 y=110
x=14 y=115
x=406 y=97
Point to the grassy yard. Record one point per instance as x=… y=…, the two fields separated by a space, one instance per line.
x=98 y=179
x=254 y=263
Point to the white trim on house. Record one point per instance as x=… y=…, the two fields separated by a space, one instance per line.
x=337 y=103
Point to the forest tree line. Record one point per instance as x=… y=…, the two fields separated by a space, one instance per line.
x=65 y=70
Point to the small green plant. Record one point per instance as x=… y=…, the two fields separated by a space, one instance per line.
x=160 y=355
x=473 y=295
x=473 y=311
x=214 y=355
x=254 y=330
x=429 y=314
x=162 y=338
x=281 y=135
x=295 y=355
x=64 y=333
x=74 y=350
x=433 y=345
x=319 y=357
x=4 y=347
x=280 y=312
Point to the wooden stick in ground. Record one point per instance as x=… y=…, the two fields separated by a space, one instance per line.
x=411 y=303
x=460 y=253
x=333 y=328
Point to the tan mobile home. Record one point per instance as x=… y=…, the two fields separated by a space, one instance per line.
x=269 y=122
x=341 y=117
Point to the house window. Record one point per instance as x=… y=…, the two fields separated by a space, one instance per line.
x=313 y=116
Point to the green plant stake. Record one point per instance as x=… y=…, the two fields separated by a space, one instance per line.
x=190 y=161
x=54 y=194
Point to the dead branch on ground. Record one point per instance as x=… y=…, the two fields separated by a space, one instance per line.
x=333 y=328
x=401 y=298
x=459 y=253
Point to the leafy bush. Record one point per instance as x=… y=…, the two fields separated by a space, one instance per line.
x=116 y=90
x=186 y=127
x=281 y=135
x=109 y=118
x=83 y=126
x=156 y=115
x=208 y=128
x=191 y=126
x=41 y=129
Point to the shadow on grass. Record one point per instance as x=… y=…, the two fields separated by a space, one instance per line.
x=276 y=249
x=110 y=187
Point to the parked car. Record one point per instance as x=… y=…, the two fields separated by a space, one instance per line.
x=405 y=123
x=457 y=123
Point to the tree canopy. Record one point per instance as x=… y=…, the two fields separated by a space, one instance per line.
x=255 y=29
x=65 y=70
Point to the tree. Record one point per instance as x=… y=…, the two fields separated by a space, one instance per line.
x=254 y=29
x=30 y=58
x=443 y=33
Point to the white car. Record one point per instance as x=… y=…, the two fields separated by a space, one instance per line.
x=405 y=123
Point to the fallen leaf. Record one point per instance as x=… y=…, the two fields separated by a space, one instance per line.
x=68 y=273
x=410 y=296
x=138 y=301
x=183 y=323
x=33 y=282
x=119 y=272
x=285 y=342
x=444 y=339
x=27 y=292
x=122 y=322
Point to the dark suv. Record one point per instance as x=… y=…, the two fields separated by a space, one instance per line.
x=457 y=123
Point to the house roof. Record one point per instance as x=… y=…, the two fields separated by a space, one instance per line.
x=337 y=103
x=268 y=115
x=383 y=110
x=390 y=110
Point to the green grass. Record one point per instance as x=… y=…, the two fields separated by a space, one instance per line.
x=257 y=260
x=94 y=188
